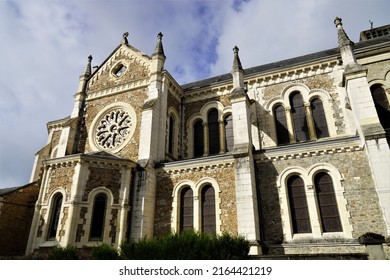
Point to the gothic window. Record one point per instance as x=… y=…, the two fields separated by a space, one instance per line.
x=55 y=216
x=198 y=138
x=186 y=209
x=229 y=140
x=171 y=134
x=282 y=134
x=319 y=118
x=213 y=124
x=98 y=217
x=299 y=117
x=327 y=204
x=208 y=218
x=298 y=205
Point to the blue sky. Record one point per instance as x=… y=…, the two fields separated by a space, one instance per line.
x=45 y=44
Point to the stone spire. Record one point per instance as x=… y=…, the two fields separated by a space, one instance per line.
x=342 y=35
x=236 y=61
x=237 y=72
x=345 y=44
x=159 y=50
x=87 y=71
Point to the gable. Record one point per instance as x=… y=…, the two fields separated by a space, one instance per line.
x=126 y=64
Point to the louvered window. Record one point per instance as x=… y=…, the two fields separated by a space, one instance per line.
x=212 y=120
x=55 y=216
x=208 y=210
x=229 y=140
x=330 y=218
x=186 y=209
x=299 y=117
x=98 y=217
x=281 y=125
x=319 y=118
x=198 y=138
x=298 y=205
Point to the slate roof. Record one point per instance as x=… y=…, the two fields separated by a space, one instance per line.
x=13 y=189
x=284 y=63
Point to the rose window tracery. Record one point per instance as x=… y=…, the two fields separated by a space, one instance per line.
x=113 y=129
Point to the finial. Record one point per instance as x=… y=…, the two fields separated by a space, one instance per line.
x=236 y=62
x=371 y=24
x=342 y=35
x=337 y=22
x=90 y=58
x=124 y=39
x=159 y=47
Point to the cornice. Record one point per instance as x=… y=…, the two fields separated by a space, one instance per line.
x=132 y=85
x=310 y=149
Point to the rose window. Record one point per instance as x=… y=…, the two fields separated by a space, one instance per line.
x=113 y=129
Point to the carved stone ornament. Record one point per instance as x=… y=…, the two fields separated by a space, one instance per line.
x=113 y=128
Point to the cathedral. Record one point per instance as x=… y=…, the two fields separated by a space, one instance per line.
x=292 y=155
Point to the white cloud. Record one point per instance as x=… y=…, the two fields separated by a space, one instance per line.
x=45 y=45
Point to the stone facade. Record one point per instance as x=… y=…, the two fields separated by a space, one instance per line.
x=16 y=211
x=123 y=165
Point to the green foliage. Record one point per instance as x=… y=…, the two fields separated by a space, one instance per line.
x=188 y=245
x=104 y=252
x=68 y=253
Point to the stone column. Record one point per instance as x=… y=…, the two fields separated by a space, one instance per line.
x=205 y=139
x=290 y=125
x=222 y=143
x=310 y=122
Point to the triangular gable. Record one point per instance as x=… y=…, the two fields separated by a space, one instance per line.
x=123 y=65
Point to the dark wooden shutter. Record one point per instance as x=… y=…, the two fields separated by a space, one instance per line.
x=319 y=119
x=186 y=209
x=214 y=147
x=55 y=216
x=299 y=117
x=298 y=205
x=229 y=138
x=327 y=203
x=98 y=217
x=198 y=138
x=208 y=210
x=281 y=125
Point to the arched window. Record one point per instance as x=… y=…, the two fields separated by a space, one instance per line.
x=54 y=216
x=381 y=105
x=229 y=138
x=327 y=204
x=98 y=217
x=301 y=131
x=212 y=120
x=171 y=134
x=298 y=205
x=186 y=209
x=319 y=118
x=198 y=138
x=208 y=218
x=282 y=134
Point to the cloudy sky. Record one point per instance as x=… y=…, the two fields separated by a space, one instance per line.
x=44 y=45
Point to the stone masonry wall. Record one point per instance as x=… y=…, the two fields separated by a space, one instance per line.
x=109 y=178
x=16 y=213
x=136 y=99
x=360 y=194
x=166 y=182
x=60 y=177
